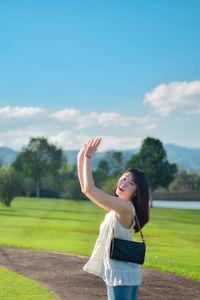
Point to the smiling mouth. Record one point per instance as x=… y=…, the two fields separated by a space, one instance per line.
x=120 y=189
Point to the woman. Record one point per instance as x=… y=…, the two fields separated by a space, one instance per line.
x=131 y=195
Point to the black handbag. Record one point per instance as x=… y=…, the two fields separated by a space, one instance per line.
x=128 y=250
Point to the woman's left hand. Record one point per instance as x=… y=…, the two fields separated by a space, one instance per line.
x=92 y=146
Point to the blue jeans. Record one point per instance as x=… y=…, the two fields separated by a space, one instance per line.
x=122 y=292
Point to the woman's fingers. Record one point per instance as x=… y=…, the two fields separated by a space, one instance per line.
x=90 y=142
x=92 y=145
x=97 y=142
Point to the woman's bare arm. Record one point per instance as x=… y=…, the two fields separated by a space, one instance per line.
x=102 y=199
x=80 y=162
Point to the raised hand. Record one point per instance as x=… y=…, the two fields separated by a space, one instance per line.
x=92 y=146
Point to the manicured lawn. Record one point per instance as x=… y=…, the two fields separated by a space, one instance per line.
x=172 y=235
x=17 y=287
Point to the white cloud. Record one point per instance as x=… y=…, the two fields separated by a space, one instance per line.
x=114 y=119
x=142 y=120
x=24 y=112
x=29 y=118
x=121 y=143
x=75 y=117
x=148 y=127
x=88 y=120
x=175 y=96
x=16 y=139
x=110 y=119
x=68 y=128
x=195 y=111
x=68 y=140
x=66 y=115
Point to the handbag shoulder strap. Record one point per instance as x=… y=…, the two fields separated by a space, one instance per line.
x=139 y=228
x=137 y=224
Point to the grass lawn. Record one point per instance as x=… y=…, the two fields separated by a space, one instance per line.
x=172 y=235
x=17 y=287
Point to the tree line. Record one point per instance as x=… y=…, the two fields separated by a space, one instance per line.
x=42 y=170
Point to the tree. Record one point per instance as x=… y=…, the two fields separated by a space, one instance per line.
x=101 y=173
x=109 y=185
x=72 y=190
x=59 y=181
x=185 y=181
x=39 y=159
x=116 y=162
x=103 y=167
x=152 y=159
x=10 y=185
x=28 y=186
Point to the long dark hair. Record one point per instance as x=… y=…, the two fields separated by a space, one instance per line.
x=141 y=199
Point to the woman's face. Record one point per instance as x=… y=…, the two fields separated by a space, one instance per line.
x=126 y=187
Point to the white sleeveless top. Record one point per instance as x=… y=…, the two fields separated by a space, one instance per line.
x=113 y=272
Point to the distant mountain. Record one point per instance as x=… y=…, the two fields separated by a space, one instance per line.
x=72 y=156
x=187 y=158
x=7 y=155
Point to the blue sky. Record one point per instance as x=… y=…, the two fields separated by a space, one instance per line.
x=124 y=70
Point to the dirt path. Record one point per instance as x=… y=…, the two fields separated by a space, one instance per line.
x=63 y=276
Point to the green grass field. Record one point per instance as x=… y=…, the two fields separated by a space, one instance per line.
x=172 y=235
x=17 y=287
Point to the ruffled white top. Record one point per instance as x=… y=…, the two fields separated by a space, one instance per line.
x=113 y=272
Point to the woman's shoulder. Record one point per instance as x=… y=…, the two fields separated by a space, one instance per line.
x=126 y=220
x=132 y=206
